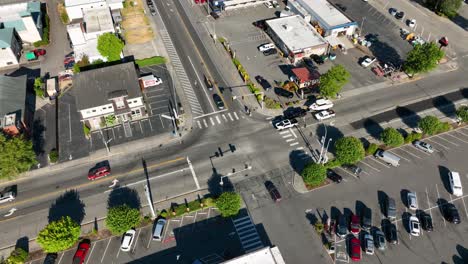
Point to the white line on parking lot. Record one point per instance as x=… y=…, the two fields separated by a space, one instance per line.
x=61 y=256
x=406 y=212
x=369 y=166
x=217 y=119
x=104 y=254
x=414 y=155
x=428 y=203
x=438 y=199
x=287 y=135
x=199 y=124
x=204 y=122
x=152 y=178
x=457 y=138
x=455 y=144
x=293 y=144
x=464 y=206
x=400 y=156
x=212 y=121
x=422 y=151
x=292 y=131
x=136 y=241
x=283 y=132
x=433 y=141
x=90 y=253
x=459 y=131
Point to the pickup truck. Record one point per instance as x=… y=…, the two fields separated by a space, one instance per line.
x=325 y=114
x=285 y=124
x=209 y=83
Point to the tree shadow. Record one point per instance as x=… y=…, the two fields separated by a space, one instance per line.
x=23 y=243
x=444 y=105
x=373 y=128
x=330 y=132
x=385 y=53
x=334 y=213
x=404 y=196
x=408 y=116
x=443 y=173
x=382 y=198
x=298 y=159
x=312 y=218
x=38 y=137
x=347 y=213
x=68 y=204
x=124 y=195
x=461 y=22
x=463 y=255
x=214 y=188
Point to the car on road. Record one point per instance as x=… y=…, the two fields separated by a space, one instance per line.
x=100 y=170
x=266 y=46
x=264 y=83
x=451 y=213
x=325 y=114
x=356 y=170
x=355 y=224
x=455 y=183
x=423 y=146
x=414 y=226
x=295 y=112
x=412 y=201
x=270 y=52
x=391 y=233
x=218 y=101
x=127 y=240
x=392 y=11
x=269 y=4
x=426 y=221
x=321 y=104
x=8 y=194
x=317 y=58
x=367 y=61
x=80 y=254
x=283 y=92
x=355 y=249
x=379 y=238
x=208 y=83
x=285 y=124
x=399 y=15
x=342 y=226
x=411 y=23
x=273 y=191
x=332 y=175
x=366 y=218
x=369 y=244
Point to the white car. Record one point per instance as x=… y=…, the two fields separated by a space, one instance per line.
x=412 y=23
x=415 y=227
x=321 y=104
x=127 y=240
x=369 y=244
x=367 y=61
x=275 y=3
x=268 y=4
x=325 y=114
x=287 y=123
x=423 y=146
x=266 y=46
x=412 y=201
x=455 y=183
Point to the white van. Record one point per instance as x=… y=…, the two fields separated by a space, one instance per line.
x=387 y=157
x=158 y=229
x=455 y=183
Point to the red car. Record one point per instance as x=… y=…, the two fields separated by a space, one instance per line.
x=355 y=224
x=80 y=254
x=39 y=52
x=355 y=252
x=98 y=172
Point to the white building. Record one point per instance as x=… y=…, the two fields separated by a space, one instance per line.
x=10 y=47
x=75 y=7
x=233 y=4
x=265 y=255
x=295 y=37
x=26 y=18
x=328 y=20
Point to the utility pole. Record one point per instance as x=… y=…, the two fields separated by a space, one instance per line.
x=106 y=143
x=362 y=25
x=150 y=203
x=326 y=150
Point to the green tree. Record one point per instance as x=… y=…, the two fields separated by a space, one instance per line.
x=110 y=46
x=423 y=58
x=429 y=125
x=391 y=137
x=314 y=174
x=39 y=87
x=59 y=235
x=333 y=81
x=122 y=218
x=462 y=113
x=17 y=256
x=229 y=204
x=448 y=8
x=17 y=156
x=349 y=150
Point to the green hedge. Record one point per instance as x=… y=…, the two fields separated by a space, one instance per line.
x=271 y=103
x=45 y=32
x=53 y=155
x=371 y=149
x=412 y=137
x=151 y=61
x=181 y=209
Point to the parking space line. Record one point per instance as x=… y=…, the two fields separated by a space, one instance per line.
x=438 y=199
x=162 y=123
x=400 y=156
x=104 y=254
x=205 y=123
x=230 y=116
x=464 y=206
x=433 y=141
x=409 y=154
x=91 y=252
x=347 y=172
x=225 y=118
x=380 y=162
x=212 y=121
x=217 y=119
x=422 y=151
x=61 y=256
x=287 y=135
x=118 y=254
x=293 y=144
x=428 y=203
x=235 y=115
x=292 y=131
x=459 y=131
x=457 y=138
x=136 y=241
x=199 y=124
x=290 y=139
x=283 y=132
x=369 y=166
x=150 y=239
x=438 y=136
x=402 y=223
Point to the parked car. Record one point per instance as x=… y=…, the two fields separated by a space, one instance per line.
x=321 y=104
x=295 y=112
x=285 y=124
x=379 y=239
x=355 y=249
x=218 y=101
x=325 y=114
x=269 y=4
x=451 y=213
x=426 y=221
x=266 y=46
x=356 y=170
x=392 y=11
x=455 y=183
x=369 y=244
x=50 y=258
x=308 y=63
x=391 y=232
x=332 y=175
x=354 y=226
x=411 y=23
x=423 y=146
x=412 y=201
x=158 y=229
x=283 y=92
x=414 y=226
x=270 y=52
x=100 y=170
x=209 y=83
x=399 y=15
x=275 y=3
x=342 y=226
x=367 y=61
x=366 y=218
x=264 y=83
x=80 y=254
x=8 y=194
x=274 y=193
x=39 y=52
x=127 y=240
x=390 y=208
x=318 y=59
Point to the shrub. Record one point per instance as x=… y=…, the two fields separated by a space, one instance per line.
x=462 y=113
x=17 y=256
x=429 y=125
x=59 y=235
x=412 y=137
x=156 y=60
x=271 y=104
x=45 y=32
x=332 y=164
x=349 y=150
x=86 y=130
x=64 y=17
x=121 y=218
x=391 y=137
x=444 y=127
x=314 y=174
x=371 y=149
x=229 y=204
x=39 y=87
x=319 y=227
x=53 y=155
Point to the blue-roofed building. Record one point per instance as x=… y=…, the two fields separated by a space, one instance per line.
x=10 y=47
x=25 y=18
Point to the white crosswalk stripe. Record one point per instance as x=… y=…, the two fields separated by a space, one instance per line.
x=199 y=124
x=230 y=117
x=247 y=233
x=204 y=122
x=217 y=119
x=235 y=115
x=213 y=120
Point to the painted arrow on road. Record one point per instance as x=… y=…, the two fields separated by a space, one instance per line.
x=12 y=210
x=114 y=183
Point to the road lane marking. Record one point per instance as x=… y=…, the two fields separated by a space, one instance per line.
x=401 y=156
x=90 y=253
x=457 y=138
x=199 y=124
x=235 y=115
x=230 y=116
x=104 y=254
x=290 y=139
x=212 y=121
x=287 y=135
x=292 y=131
x=193 y=173
x=217 y=119
x=369 y=166
x=209 y=114
x=201 y=84
x=433 y=141
x=447 y=140
x=145 y=180
x=136 y=240
x=204 y=122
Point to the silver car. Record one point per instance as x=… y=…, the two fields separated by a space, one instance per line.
x=412 y=201
x=423 y=146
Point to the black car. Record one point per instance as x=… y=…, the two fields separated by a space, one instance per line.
x=260 y=24
x=399 y=15
x=294 y=112
x=275 y=195
x=342 y=226
x=332 y=175
x=451 y=213
x=270 y=52
x=426 y=221
x=391 y=233
x=318 y=59
x=366 y=218
x=264 y=83
x=50 y=258
x=308 y=63
x=218 y=101
x=283 y=92
x=354 y=169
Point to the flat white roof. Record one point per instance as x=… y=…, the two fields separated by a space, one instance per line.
x=89 y=49
x=97 y=20
x=265 y=255
x=295 y=32
x=322 y=9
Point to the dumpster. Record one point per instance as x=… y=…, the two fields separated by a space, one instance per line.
x=31 y=56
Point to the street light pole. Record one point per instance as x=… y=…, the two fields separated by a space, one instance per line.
x=362 y=25
x=150 y=203
x=106 y=143
x=326 y=149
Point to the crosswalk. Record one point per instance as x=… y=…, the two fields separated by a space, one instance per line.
x=218 y=119
x=247 y=233
x=182 y=75
x=290 y=137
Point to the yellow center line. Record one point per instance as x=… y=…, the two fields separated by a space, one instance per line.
x=79 y=186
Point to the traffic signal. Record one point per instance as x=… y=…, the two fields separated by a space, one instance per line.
x=220 y=152
x=232 y=147
x=217 y=154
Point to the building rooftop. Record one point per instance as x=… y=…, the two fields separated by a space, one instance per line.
x=6 y=35
x=328 y=14
x=69 y=3
x=13 y=96
x=93 y=88
x=265 y=255
x=97 y=20
x=295 y=32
